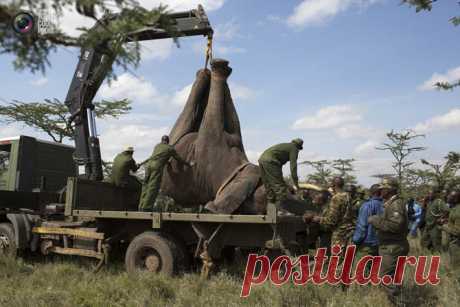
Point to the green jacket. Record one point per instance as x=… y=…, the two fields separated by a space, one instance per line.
x=436 y=209
x=122 y=165
x=161 y=155
x=280 y=154
x=392 y=225
x=453 y=225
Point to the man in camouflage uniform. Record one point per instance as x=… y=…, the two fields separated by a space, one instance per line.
x=154 y=172
x=338 y=217
x=123 y=164
x=432 y=236
x=271 y=169
x=452 y=228
x=392 y=230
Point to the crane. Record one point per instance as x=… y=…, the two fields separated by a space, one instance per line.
x=93 y=66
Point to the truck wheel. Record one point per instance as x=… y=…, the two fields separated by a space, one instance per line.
x=151 y=252
x=7 y=241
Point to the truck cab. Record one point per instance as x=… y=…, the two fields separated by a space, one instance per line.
x=28 y=164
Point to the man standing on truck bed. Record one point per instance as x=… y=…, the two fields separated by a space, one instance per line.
x=271 y=167
x=154 y=172
x=123 y=164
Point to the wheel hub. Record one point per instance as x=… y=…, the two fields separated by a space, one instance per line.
x=152 y=263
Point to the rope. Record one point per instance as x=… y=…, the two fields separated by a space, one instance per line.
x=208 y=52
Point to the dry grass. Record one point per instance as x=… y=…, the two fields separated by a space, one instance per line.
x=70 y=282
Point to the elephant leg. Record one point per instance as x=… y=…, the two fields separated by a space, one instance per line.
x=240 y=188
x=212 y=125
x=192 y=114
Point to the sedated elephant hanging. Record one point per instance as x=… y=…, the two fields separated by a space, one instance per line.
x=208 y=132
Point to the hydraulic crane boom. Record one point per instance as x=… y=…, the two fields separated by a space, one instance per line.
x=92 y=68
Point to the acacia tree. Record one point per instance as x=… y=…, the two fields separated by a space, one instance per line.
x=322 y=172
x=344 y=168
x=52 y=117
x=400 y=146
x=427 y=5
x=32 y=51
x=444 y=175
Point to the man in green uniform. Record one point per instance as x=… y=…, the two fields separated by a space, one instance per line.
x=452 y=228
x=154 y=172
x=392 y=230
x=338 y=218
x=432 y=236
x=123 y=164
x=271 y=168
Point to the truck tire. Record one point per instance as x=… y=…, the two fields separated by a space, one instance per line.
x=7 y=240
x=151 y=252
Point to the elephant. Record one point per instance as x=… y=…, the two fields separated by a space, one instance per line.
x=208 y=132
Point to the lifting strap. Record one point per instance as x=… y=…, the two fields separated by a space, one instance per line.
x=208 y=52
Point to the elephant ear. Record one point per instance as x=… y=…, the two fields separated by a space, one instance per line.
x=192 y=114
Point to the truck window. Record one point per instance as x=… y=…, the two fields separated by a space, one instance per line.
x=4 y=164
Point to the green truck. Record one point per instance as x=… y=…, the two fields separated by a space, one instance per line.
x=53 y=198
x=54 y=211
x=28 y=164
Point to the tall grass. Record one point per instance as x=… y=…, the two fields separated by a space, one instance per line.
x=71 y=282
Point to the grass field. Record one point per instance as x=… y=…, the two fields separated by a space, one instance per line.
x=71 y=282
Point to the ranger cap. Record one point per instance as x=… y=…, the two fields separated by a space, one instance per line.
x=129 y=148
x=298 y=142
x=389 y=183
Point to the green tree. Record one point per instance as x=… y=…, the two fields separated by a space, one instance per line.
x=322 y=173
x=400 y=146
x=52 y=116
x=444 y=176
x=32 y=51
x=344 y=168
x=427 y=5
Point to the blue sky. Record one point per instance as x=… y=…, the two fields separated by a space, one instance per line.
x=338 y=73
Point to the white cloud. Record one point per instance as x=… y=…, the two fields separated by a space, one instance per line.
x=138 y=90
x=450 y=120
x=366 y=147
x=253 y=155
x=241 y=92
x=156 y=49
x=142 y=137
x=356 y=131
x=314 y=12
x=329 y=117
x=9 y=131
x=181 y=96
x=451 y=75
x=39 y=82
x=227 y=31
x=183 y=5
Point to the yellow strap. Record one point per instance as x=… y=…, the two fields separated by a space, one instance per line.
x=208 y=51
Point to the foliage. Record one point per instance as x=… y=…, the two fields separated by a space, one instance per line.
x=344 y=168
x=399 y=145
x=444 y=176
x=324 y=170
x=32 y=51
x=427 y=5
x=66 y=281
x=52 y=116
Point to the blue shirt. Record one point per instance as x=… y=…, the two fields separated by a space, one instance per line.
x=413 y=225
x=365 y=233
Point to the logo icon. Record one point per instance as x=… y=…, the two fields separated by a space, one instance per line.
x=24 y=23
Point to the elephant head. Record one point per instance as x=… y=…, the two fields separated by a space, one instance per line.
x=208 y=132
